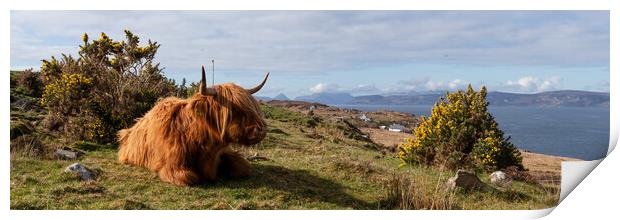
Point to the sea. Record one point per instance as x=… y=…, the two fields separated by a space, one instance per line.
x=577 y=132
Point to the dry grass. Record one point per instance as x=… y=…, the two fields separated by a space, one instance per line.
x=407 y=193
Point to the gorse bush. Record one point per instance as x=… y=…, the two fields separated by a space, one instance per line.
x=66 y=89
x=110 y=84
x=461 y=133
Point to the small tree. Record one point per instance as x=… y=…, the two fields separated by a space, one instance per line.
x=461 y=133
x=105 y=89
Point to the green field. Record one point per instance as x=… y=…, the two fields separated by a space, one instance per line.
x=312 y=164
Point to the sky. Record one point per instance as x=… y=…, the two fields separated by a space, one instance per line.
x=358 y=52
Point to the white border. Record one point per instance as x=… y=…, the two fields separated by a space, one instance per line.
x=604 y=172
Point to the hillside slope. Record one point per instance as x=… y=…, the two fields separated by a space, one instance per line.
x=312 y=163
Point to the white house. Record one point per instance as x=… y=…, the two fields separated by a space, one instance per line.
x=396 y=128
x=363 y=117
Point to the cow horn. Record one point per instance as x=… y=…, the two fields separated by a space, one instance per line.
x=255 y=89
x=203 y=85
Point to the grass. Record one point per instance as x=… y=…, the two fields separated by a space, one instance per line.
x=311 y=166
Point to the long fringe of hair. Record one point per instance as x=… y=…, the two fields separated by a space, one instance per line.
x=181 y=131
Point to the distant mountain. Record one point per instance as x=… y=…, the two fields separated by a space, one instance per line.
x=422 y=99
x=570 y=98
x=263 y=98
x=277 y=97
x=327 y=98
x=280 y=97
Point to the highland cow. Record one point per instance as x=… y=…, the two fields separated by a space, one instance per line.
x=186 y=141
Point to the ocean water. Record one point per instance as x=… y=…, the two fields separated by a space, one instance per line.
x=563 y=131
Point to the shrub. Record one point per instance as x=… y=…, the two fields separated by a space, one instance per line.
x=63 y=92
x=105 y=89
x=461 y=133
x=28 y=83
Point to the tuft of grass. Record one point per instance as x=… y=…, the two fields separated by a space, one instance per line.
x=28 y=146
x=407 y=193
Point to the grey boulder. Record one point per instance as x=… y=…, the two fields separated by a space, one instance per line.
x=466 y=180
x=85 y=174
x=66 y=154
x=500 y=179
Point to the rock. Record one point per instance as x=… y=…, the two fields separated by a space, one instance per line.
x=466 y=180
x=66 y=154
x=255 y=157
x=84 y=173
x=500 y=179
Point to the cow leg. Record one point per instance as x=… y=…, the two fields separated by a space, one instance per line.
x=177 y=168
x=233 y=164
x=209 y=166
x=178 y=175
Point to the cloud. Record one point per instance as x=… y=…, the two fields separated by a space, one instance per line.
x=426 y=84
x=365 y=89
x=324 y=87
x=362 y=89
x=320 y=41
x=533 y=84
x=442 y=86
x=550 y=84
x=412 y=84
x=527 y=83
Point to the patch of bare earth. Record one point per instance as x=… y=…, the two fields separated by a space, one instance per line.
x=545 y=168
x=387 y=138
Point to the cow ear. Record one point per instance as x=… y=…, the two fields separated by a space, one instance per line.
x=203 y=85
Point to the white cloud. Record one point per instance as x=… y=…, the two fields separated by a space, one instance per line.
x=550 y=84
x=441 y=85
x=362 y=89
x=526 y=83
x=324 y=87
x=457 y=84
x=533 y=84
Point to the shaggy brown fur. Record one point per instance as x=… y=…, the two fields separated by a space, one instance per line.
x=186 y=141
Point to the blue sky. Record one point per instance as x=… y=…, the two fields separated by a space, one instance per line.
x=360 y=52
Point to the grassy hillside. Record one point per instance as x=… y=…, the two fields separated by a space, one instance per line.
x=312 y=163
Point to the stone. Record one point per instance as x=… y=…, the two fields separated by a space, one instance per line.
x=500 y=179
x=66 y=154
x=466 y=180
x=80 y=169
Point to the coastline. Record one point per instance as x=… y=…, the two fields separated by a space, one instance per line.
x=543 y=167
